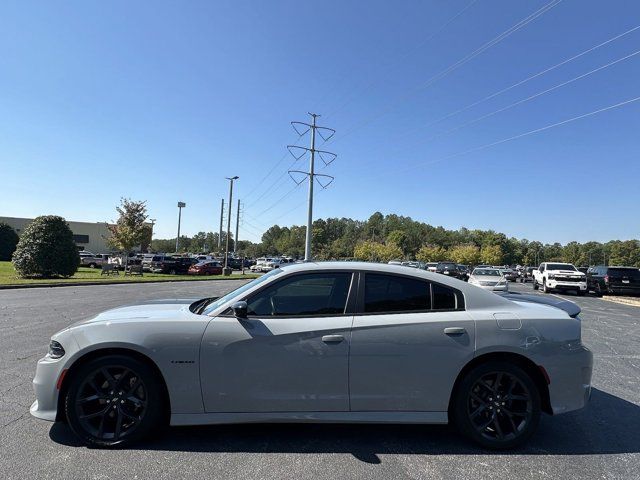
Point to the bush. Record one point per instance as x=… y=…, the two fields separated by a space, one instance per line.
x=8 y=241
x=46 y=249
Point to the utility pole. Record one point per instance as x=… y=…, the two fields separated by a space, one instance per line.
x=181 y=205
x=221 y=220
x=235 y=239
x=325 y=133
x=227 y=270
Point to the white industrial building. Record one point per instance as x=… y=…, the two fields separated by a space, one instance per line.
x=89 y=236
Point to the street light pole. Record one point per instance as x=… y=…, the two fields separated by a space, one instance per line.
x=153 y=224
x=226 y=252
x=181 y=205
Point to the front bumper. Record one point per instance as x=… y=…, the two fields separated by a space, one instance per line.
x=48 y=371
x=554 y=284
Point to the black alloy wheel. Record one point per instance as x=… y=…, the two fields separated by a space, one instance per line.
x=498 y=406
x=114 y=400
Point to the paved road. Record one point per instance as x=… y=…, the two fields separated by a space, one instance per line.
x=601 y=441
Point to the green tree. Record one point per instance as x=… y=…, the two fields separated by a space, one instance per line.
x=46 y=249
x=130 y=230
x=8 y=241
x=465 y=254
x=432 y=253
x=491 y=255
x=376 y=252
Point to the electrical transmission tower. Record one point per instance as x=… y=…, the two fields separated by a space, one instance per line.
x=325 y=133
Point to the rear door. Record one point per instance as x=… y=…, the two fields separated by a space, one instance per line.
x=291 y=353
x=409 y=341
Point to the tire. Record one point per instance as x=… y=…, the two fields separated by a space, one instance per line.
x=545 y=289
x=581 y=293
x=503 y=422
x=598 y=291
x=101 y=414
x=92 y=265
x=172 y=271
x=535 y=284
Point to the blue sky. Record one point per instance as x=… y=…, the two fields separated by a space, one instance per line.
x=162 y=100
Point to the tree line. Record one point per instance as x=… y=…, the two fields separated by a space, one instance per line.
x=395 y=237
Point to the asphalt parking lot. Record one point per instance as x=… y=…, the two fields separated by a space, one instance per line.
x=602 y=441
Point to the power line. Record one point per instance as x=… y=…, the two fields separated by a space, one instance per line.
x=359 y=91
x=531 y=97
x=486 y=46
x=531 y=77
x=521 y=135
x=253 y=190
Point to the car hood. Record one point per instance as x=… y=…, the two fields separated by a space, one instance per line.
x=151 y=310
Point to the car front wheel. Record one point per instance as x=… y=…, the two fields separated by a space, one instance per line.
x=114 y=400
x=497 y=405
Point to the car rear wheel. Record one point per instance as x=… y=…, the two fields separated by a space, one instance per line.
x=497 y=405
x=114 y=400
x=535 y=285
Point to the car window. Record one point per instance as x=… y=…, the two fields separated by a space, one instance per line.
x=389 y=293
x=444 y=298
x=308 y=294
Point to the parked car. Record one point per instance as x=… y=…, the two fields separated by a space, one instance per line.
x=319 y=342
x=431 y=266
x=149 y=259
x=489 y=279
x=208 y=267
x=559 y=276
x=260 y=263
x=448 y=268
x=509 y=274
x=171 y=265
x=88 y=259
x=614 y=280
x=527 y=274
x=463 y=272
x=119 y=260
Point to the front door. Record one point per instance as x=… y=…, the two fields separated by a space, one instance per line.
x=290 y=354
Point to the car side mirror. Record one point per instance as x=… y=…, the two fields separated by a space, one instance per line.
x=240 y=309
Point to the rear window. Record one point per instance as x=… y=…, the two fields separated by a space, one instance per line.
x=388 y=293
x=624 y=272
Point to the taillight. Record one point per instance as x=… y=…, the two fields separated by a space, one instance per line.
x=606 y=279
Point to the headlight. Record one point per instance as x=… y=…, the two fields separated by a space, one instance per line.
x=55 y=349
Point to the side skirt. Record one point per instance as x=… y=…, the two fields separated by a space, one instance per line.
x=183 y=419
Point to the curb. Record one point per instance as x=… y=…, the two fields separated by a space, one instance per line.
x=116 y=282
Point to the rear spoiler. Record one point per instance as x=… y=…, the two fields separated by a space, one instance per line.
x=571 y=308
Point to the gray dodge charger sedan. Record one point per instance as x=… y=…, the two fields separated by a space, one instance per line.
x=319 y=342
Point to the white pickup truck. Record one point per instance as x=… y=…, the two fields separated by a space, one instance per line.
x=559 y=276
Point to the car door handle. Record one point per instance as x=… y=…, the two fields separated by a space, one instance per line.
x=332 y=338
x=454 y=331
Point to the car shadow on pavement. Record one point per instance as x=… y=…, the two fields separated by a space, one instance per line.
x=609 y=425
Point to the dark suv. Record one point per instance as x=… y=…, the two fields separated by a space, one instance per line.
x=450 y=269
x=172 y=265
x=614 y=280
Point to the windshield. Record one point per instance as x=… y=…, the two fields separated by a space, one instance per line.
x=560 y=266
x=222 y=300
x=491 y=272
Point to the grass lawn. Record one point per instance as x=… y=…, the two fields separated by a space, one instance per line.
x=84 y=274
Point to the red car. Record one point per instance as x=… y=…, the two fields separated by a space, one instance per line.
x=206 y=268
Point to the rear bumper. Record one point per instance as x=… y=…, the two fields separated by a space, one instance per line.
x=624 y=290
x=570 y=376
